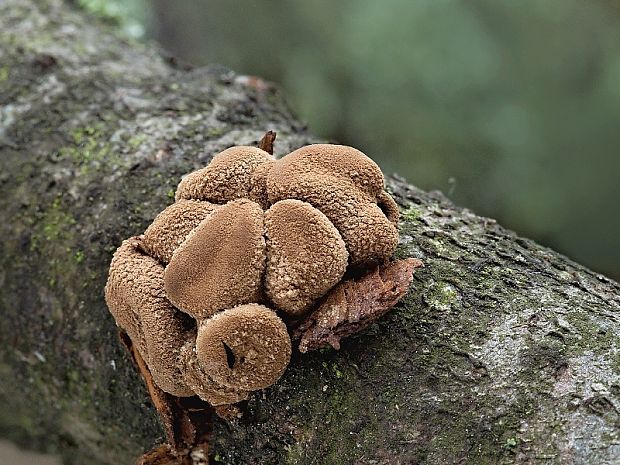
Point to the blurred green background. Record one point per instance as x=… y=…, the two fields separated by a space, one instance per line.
x=511 y=108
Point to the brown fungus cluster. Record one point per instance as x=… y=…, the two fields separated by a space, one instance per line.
x=248 y=237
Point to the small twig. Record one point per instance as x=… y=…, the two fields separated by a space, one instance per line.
x=266 y=143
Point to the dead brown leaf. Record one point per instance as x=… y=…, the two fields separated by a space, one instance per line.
x=354 y=304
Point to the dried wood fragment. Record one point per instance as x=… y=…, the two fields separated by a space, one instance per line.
x=354 y=304
x=266 y=143
x=162 y=455
x=187 y=421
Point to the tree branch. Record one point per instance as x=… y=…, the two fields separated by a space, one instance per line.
x=503 y=351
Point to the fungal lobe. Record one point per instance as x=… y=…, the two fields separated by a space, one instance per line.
x=135 y=296
x=344 y=163
x=221 y=263
x=306 y=255
x=172 y=226
x=226 y=178
x=246 y=347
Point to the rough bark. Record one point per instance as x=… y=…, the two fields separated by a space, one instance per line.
x=502 y=352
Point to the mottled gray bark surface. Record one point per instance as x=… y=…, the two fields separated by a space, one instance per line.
x=502 y=352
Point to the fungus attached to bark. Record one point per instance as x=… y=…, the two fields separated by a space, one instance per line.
x=244 y=348
x=221 y=262
x=249 y=230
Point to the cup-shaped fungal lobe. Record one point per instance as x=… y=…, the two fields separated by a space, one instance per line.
x=306 y=255
x=221 y=262
x=201 y=383
x=226 y=178
x=246 y=347
x=135 y=296
x=173 y=225
x=346 y=186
